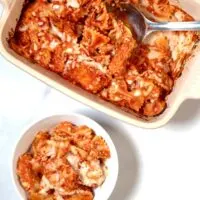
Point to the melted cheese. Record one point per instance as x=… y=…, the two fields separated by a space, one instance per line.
x=45 y=185
x=73 y=3
x=92 y=174
x=57 y=32
x=54 y=44
x=90 y=62
x=23 y=28
x=73 y=160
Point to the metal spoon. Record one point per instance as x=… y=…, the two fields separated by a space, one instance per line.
x=141 y=27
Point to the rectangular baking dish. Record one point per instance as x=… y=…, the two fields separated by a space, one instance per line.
x=187 y=87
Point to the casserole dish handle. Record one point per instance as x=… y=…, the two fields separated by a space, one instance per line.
x=6 y=3
x=6 y=6
x=192 y=89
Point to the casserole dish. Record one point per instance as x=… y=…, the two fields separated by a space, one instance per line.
x=182 y=90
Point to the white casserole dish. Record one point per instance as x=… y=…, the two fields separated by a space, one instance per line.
x=187 y=87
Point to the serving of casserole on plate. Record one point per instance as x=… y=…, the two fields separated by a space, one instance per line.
x=86 y=45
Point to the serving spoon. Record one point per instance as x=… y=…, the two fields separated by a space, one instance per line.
x=141 y=27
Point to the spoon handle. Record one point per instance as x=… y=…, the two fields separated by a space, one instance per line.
x=174 y=26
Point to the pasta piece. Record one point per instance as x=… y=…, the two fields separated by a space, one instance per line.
x=99 y=149
x=100 y=18
x=36 y=196
x=154 y=108
x=92 y=174
x=63 y=131
x=40 y=143
x=94 y=40
x=80 y=197
x=118 y=64
x=88 y=74
x=119 y=94
x=28 y=178
x=61 y=176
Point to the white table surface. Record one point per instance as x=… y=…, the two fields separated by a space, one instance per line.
x=162 y=164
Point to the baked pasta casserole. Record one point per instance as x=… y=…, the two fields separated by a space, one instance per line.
x=65 y=163
x=87 y=45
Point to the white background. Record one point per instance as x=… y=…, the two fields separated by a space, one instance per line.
x=162 y=164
